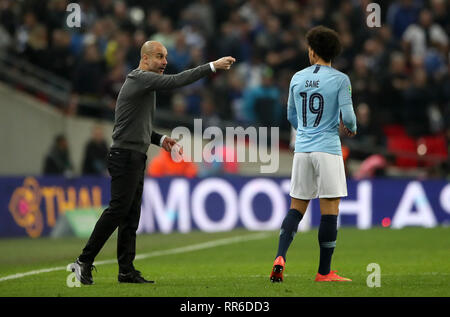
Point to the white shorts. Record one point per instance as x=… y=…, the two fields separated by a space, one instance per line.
x=318 y=174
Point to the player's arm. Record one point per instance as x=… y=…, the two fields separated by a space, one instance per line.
x=156 y=81
x=292 y=111
x=348 y=117
x=348 y=120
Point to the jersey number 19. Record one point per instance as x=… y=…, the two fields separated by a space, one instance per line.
x=317 y=111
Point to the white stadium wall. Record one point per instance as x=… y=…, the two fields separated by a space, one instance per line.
x=28 y=128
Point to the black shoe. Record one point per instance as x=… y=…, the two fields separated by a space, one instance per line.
x=83 y=272
x=132 y=277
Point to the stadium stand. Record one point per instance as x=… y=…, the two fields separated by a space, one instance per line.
x=401 y=70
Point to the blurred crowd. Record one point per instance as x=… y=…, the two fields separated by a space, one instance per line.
x=400 y=72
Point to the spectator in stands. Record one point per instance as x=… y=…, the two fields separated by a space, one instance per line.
x=201 y=12
x=165 y=34
x=269 y=39
x=388 y=42
x=121 y=16
x=418 y=99
x=7 y=17
x=87 y=82
x=5 y=39
x=228 y=96
x=194 y=91
x=101 y=32
x=180 y=53
x=370 y=137
x=154 y=17
x=23 y=30
x=62 y=60
x=104 y=7
x=393 y=84
x=288 y=54
x=261 y=104
x=134 y=53
x=36 y=48
x=349 y=50
x=55 y=15
x=251 y=72
x=375 y=53
x=420 y=37
x=117 y=48
x=230 y=43
x=401 y=14
x=363 y=83
x=209 y=112
x=95 y=153
x=57 y=161
x=111 y=88
x=441 y=14
x=179 y=105
x=90 y=72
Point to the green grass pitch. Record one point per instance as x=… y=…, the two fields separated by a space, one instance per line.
x=413 y=261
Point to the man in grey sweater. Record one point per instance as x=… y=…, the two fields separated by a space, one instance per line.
x=132 y=135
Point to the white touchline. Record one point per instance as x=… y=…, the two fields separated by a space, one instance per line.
x=189 y=248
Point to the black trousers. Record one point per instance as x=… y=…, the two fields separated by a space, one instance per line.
x=127 y=169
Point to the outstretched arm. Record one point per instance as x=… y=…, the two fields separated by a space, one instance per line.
x=156 y=81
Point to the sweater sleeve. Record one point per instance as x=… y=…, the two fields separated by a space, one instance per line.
x=154 y=81
x=156 y=138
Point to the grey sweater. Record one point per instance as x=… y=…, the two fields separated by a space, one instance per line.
x=133 y=124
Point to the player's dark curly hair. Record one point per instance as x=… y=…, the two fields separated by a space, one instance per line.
x=324 y=42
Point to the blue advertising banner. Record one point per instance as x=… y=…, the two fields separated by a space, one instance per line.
x=221 y=204
x=31 y=206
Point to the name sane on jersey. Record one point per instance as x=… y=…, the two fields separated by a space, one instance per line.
x=312 y=84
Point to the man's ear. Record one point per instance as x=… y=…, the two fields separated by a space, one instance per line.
x=314 y=55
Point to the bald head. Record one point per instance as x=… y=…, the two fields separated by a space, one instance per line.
x=149 y=46
x=153 y=57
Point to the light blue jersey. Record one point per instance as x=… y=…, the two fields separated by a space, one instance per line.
x=317 y=96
